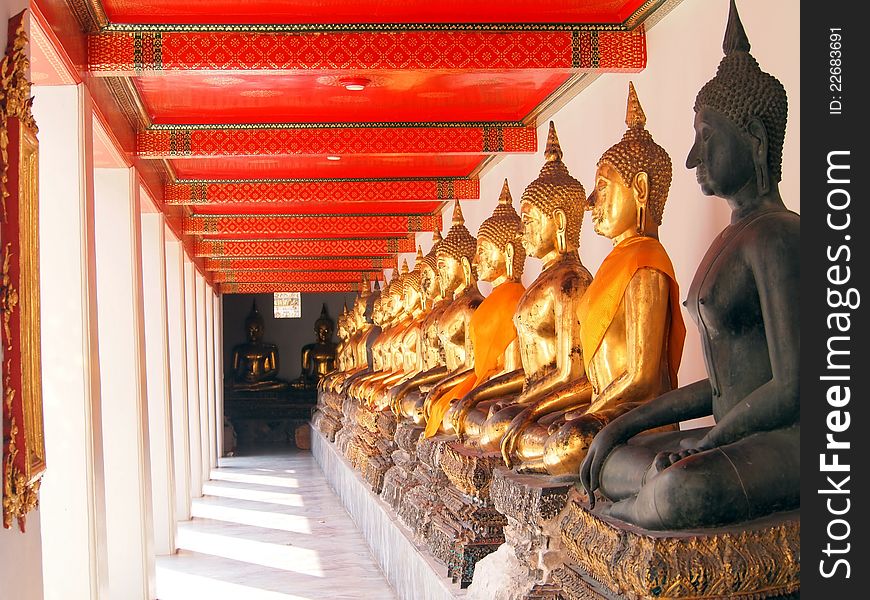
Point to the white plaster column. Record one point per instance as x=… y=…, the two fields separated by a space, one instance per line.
x=72 y=497
x=193 y=407
x=122 y=374
x=218 y=329
x=175 y=312
x=202 y=367
x=160 y=423
x=210 y=358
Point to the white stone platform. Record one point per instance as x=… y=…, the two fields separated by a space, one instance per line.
x=409 y=568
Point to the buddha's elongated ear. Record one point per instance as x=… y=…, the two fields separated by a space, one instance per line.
x=466 y=270
x=509 y=259
x=561 y=230
x=760 y=149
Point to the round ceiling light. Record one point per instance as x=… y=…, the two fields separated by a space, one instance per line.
x=354 y=84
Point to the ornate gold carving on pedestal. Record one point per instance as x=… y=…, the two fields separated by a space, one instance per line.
x=23 y=459
x=751 y=561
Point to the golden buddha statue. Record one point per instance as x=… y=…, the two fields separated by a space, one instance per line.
x=745 y=301
x=328 y=381
x=391 y=314
x=356 y=347
x=406 y=398
x=454 y=257
x=255 y=364
x=632 y=330
x=318 y=358
x=407 y=343
x=546 y=320
x=499 y=259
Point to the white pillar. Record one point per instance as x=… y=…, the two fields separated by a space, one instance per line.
x=193 y=408
x=160 y=423
x=210 y=358
x=74 y=556
x=202 y=367
x=122 y=373
x=175 y=312
x=219 y=370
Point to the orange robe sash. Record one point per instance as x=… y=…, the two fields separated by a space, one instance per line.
x=492 y=330
x=601 y=300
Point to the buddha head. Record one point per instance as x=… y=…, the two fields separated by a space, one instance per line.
x=254 y=325
x=500 y=250
x=360 y=304
x=454 y=256
x=341 y=327
x=411 y=286
x=552 y=206
x=740 y=118
x=395 y=294
x=377 y=311
x=430 y=285
x=632 y=180
x=324 y=326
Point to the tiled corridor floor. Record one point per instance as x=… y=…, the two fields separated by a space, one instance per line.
x=269 y=527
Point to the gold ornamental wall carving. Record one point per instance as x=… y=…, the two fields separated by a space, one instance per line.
x=23 y=459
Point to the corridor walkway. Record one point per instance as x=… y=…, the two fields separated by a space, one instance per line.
x=269 y=528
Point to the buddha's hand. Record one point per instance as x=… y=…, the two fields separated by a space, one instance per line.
x=688 y=447
x=512 y=435
x=602 y=445
x=459 y=413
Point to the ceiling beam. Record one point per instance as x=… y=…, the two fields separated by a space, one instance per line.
x=303 y=247
x=310 y=225
x=321 y=139
x=295 y=276
x=320 y=190
x=353 y=263
x=131 y=53
x=270 y=288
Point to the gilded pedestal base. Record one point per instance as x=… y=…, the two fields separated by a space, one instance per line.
x=755 y=560
x=328 y=417
x=533 y=506
x=476 y=526
x=399 y=479
x=464 y=530
x=423 y=501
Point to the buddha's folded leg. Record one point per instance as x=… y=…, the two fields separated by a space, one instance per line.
x=754 y=476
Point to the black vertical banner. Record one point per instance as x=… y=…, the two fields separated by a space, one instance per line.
x=835 y=420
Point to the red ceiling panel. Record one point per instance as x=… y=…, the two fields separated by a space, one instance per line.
x=320 y=208
x=262 y=64
x=309 y=225
x=345 y=263
x=369 y=11
x=337 y=192
x=303 y=167
x=269 y=288
x=303 y=247
x=295 y=276
x=306 y=97
x=438 y=139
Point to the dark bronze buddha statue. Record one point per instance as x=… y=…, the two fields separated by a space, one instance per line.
x=255 y=363
x=745 y=301
x=318 y=358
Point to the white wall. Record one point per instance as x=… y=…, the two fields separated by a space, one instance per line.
x=684 y=50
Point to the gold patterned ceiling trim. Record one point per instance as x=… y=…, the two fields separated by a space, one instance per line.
x=291 y=215
x=90 y=14
x=320 y=180
x=361 y=27
x=130 y=102
x=341 y=125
